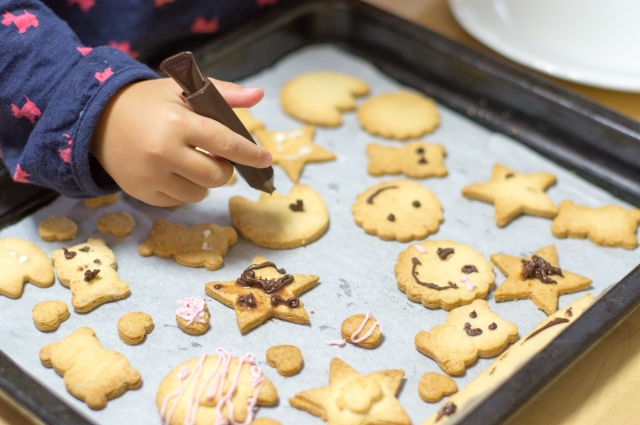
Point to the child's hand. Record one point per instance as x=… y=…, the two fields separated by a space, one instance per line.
x=146 y=138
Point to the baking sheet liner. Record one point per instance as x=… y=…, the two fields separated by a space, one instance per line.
x=355 y=269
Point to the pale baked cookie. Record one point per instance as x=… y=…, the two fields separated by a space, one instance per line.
x=91 y=373
x=202 y=245
x=320 y=97
x=287 y=359
x=22 y=261
x=402 y=210
x=134 y=327
x=401 y=115
x=514 y=194
x=89 y=270
x=263 y=292
x=509 y=362
x=57 y=228
x=443 y=274
x=101 y=200
x=417 y=160
x=352 y=398
x=433 y=386
x=221 y=391
x=118 y=224
x=537 y=277
x=47 y=315
x=192 y=316
x=292 y=150
x=281 y=222
x=233 y=178
x=265 y=421
x=362 y=330
x=471 y=331
x=609 y=225
x=249 y=121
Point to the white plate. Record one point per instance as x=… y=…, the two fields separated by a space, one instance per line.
x=593 y=42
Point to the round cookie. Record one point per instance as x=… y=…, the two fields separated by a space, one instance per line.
x=287 y=359
x=57 y=228
x=434 y=386
x=22 y=261
x=401 y=115
x=133 y=327
x=402 y=210
x=443 y=274
x=118 y=224
x=265 y=421
x=353 y=323
x=193 y=316
x=47 y=315
x=101 y=200
x=281 y=222
x=319 y=97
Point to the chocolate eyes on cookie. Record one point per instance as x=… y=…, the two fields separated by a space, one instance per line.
x=392 y=217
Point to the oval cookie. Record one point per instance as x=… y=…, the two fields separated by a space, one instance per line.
x=133 y=327
x=47 y=315
x=365 y=330
x=57 y=228
x=118 y=224
x=193 y=316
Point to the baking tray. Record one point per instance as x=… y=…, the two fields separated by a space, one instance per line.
x=597 y=144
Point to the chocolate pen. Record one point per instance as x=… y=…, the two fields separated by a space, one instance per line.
x=206 y=100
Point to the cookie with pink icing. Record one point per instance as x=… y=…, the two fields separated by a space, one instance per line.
x=362 y=330
x=193 y=315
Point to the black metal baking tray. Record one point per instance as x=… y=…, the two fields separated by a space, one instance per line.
x=598 y=144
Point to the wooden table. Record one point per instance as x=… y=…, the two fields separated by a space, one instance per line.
x=603 y=387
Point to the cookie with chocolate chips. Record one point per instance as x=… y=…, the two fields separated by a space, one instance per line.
x=418 y=160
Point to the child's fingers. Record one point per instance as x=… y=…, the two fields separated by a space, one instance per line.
x=159 y=199
x=204 y=170
x=238 y=96
x=182 y=189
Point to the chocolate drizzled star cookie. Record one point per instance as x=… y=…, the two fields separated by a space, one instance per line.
x=537 y=277
x=417 y=160
x=262 y=292
x=514 y=194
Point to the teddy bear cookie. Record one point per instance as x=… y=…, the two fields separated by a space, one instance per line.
x=362 y=330
x=91 y=373
x=101 y=200
x=402 y=210
x=514 y=194
x=470 y=331
x=118 y=224
x=352 y=398
x=262 y=292
x=433 y=386
x=287 y=359
x=249 y=121
x=292 y=150
x=401 y=115
x=281 y=222
x=57 y=228
x=134 y=327
x=417 y=160
x=331 y=92
x=443 y=274
x=609 y=225
x=202 y=245
x=192 y=316
x=22 y=261
x=227 y=387
x=47 y=315
x=537 y=277
x=89 y=270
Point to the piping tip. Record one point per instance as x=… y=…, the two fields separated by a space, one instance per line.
x=268 y=186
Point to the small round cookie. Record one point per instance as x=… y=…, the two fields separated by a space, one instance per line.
x=319 y=97
x=365 y=330
x=281 y=222
x=133 y=327
x=193 y=316
x=265 y=421
x=434 y=386
x=402 y=210
x=118 y=224
x=48 y=315
x=57 y=228
x=22 y=261
x=401 y=115
x=287 y=359
x=101 y=200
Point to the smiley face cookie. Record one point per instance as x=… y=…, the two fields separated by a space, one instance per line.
x=471 y=331
x=118 y=224
x=192 y=316
x=417 y=160
x=281 y=222
x=287 y=359
x=362 y=330
x=402 y=210
x=57 y=228
x=202 y=245
x=443 y=274
x=101 y=200
x=134 y=327
x=22 y=261
x=433 y=386
x=47 y=315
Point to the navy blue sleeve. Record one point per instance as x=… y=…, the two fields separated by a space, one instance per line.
x=52 y=91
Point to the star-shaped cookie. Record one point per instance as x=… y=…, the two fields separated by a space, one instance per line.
x=352 y=398
x=271 y=294
x=514 y=194
x=544 y=295
x=292 y=150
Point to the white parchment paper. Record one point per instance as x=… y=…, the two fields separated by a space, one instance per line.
x=355 y=269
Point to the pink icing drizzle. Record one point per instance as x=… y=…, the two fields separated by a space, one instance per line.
x=464 y=279
x=420 y=249
x=192 y=310
x=182 y=373
x=338 y=342
x=358 y=340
